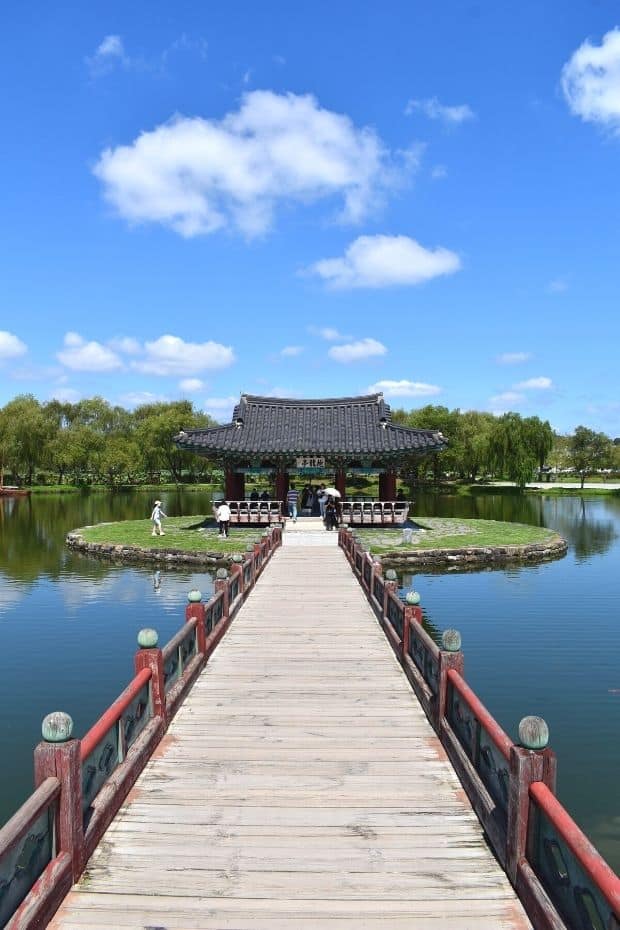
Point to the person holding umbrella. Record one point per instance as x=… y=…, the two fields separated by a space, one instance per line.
x=331 y=514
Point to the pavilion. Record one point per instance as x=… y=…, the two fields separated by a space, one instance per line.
x=335 y=436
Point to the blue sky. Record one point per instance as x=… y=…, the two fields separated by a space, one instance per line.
x=313 y=200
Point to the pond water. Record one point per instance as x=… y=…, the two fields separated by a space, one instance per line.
x=537 y=640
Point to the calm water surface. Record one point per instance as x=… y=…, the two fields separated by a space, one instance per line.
x=539 y=640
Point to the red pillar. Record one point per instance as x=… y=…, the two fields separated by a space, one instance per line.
x=389 y=486
x=341 y=482
x=230 y=485
x=282 y=487
x=234 y=485
x=382 y=492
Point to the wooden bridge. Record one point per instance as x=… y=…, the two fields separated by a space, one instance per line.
x=308 y=778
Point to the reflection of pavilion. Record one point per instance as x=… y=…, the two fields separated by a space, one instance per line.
x=284 y=437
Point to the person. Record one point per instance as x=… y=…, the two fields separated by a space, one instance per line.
x=291 y=499
x=254 y=495
x=322 y=499
x=156 y=519
x=265 y=496
x=401 y=496
x=223 y=518
x=331 y=514
x=157 y=581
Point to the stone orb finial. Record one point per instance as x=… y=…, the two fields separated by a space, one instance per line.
x=237 y=557
x=451 y=640
x=249 y=548
x=221 y=574
x=413 y=597
x=148 y=639
x=194 y=596
x=391 y=575
x=533 y=733
x=57 y=727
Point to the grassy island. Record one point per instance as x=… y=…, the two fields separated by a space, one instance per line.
x=454 y=533
x=183 y=534
x=439 y=540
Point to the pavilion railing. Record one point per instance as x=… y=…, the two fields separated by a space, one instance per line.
x=562 y=880
x=81 y=784
x=257 y=513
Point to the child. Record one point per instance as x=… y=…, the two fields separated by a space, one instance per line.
x=156 y=519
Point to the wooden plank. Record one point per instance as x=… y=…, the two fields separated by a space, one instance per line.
x=300 y=785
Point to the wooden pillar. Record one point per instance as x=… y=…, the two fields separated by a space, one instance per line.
x=234 y=485
x=230 y=484
x=341 y=482
x=389 y=486
x=282 y=488
x=382 y=492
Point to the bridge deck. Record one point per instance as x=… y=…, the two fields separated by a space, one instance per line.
x=300 y=786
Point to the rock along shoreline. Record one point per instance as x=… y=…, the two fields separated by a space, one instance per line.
x=478 y=556
x=118 y=552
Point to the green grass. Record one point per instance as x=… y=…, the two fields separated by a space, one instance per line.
x=180 y=533
x=455 y=533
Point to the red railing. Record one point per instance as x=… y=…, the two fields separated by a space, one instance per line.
x=80 y=798
x=562 y=880
x=113 y=714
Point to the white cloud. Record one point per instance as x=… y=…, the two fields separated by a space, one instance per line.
x=439 y=172
x=355 y=351
x=11 y=346
x=329 y=333
x=79 y=355
x=404 y=388
x=125 y=344
x=557 y=286
x=191 y=385
x=513 y=358
x=109 y=53
x=503 y=402
x=66 y=395
x=220 y=408
x=535 y=384
x=291 y=351
x=591 y=81
x=198 y=175
x=432 y=108
x=170 y=355
x=139 y=398
x=385 y=261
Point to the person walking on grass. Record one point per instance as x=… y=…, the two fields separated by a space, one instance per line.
x=223 y=518
x=156 y=519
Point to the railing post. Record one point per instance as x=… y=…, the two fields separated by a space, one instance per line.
x=150 y=656
x=221 y=584
x=529 y=762
x=237 y=568
x=390 y=584
x=249 y=551
x=196 y=609
x=58 y=756
x=450 y=656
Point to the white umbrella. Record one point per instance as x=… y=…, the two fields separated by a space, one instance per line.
x=332 y=492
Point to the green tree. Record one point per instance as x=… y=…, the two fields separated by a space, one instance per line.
x=539 y=437
x=589 y=451
x=25 y=432
x=511 y=449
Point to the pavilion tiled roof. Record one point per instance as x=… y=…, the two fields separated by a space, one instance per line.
x=353 y=426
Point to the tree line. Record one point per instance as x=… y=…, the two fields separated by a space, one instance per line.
x=94 y=442
x=509 y=446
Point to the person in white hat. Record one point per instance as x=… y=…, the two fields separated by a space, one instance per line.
x=156 y=519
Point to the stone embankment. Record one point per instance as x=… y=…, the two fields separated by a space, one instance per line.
x=477 y=556
x=126 y=553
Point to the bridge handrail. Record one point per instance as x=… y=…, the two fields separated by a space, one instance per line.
x=83 y=809
x=510 y=785
x=16 y=836
x=565 y=861
x=113 y=714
